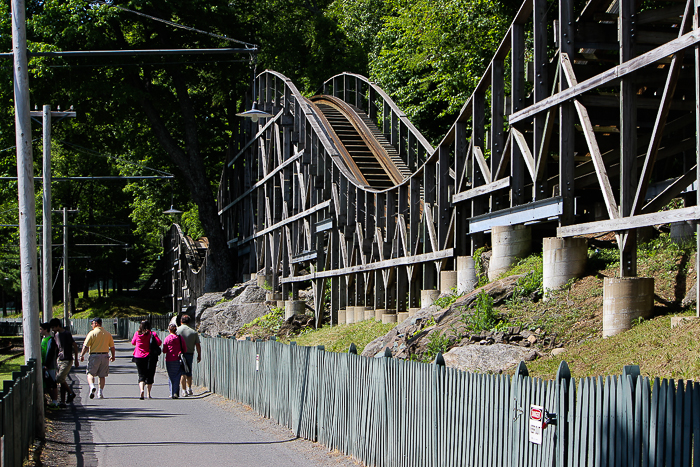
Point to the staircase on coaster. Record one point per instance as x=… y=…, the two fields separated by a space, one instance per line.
x=364 y=148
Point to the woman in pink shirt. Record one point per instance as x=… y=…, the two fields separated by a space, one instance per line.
x=173 y=346
x=146 y=356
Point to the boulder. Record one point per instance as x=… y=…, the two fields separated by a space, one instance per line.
x=691 y=297
x=224 y=313
x=495 y=358
x=411 y=337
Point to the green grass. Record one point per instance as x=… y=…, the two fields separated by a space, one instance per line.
x=339 y=338
x=658 y=350
x=9 y=366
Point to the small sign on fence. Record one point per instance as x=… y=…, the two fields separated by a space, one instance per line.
x=536 y=419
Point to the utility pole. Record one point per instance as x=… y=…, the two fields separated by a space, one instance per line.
x=66 y=291
x=27 y=216
x=47 y=283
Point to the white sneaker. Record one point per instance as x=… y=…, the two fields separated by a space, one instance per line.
x=100 y=395
x=184 y=393
x=92 y=392
x=189 y=391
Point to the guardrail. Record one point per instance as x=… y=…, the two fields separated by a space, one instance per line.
x=18 y=415
x=391 y=412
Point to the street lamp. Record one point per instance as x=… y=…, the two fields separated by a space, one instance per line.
x=254 y=113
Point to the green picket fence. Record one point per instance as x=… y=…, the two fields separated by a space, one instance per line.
x=18 y=415
x=391 y=412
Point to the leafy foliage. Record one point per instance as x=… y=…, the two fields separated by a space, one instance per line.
x=482 y=317
x=437 y=343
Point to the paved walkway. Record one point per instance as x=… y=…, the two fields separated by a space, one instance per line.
x=200 y=430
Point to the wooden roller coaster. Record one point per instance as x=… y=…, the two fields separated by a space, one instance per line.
x=586 y=126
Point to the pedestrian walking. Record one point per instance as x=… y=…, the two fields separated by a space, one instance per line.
x=99 y=342
x=192 y=342
x=173 y=346
x=145 y=356
x=67 y=353
x=49 y=353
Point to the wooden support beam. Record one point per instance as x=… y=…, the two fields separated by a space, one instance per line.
x=671 y=191
x=405 y=261
x=634 y=222
x=661 y=117
x=481 y=190
x=483 y=165
x=687 y=40
x=524 y=151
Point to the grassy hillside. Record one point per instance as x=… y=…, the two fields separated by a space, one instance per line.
x=573 y=316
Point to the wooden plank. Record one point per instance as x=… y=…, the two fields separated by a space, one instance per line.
x=688 y=40
x=407 y=260
x=481 y=190
x=661 y=117
x=284 y=222
x=262 y=181
x=671 y=191
x=483 y=165
x=626 y=223
x=255 y=138
x=601 y=173
x=524 y=151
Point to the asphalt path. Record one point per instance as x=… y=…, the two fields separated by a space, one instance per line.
x=199 y=430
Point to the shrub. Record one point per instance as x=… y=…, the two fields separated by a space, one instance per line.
x=482 y=317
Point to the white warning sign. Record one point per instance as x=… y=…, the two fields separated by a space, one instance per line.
x=535 y=425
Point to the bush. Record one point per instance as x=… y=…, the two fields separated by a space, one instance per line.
x=437 y=343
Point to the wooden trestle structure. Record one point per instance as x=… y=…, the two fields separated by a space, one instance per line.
x=584 y=121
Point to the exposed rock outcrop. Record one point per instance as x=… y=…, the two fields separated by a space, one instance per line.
x=224 y=313
x=495 y=358
x=514 y=344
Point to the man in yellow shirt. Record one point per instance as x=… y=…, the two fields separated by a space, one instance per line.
x=100 y=343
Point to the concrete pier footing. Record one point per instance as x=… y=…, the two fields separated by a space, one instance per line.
x=341 y=316
x=624 y=300
x=349 y=315
x=378 y=314
x=682 y=231
x=401 y=317
x=427 y=297
x=389 y=316
x=563 y=259
x=466 y=274
x=294 y=307
x=369 y=313
x=448 y=281
x=510 y=244
x=412 y=311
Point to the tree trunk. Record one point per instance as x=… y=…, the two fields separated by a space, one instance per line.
x=191 y=166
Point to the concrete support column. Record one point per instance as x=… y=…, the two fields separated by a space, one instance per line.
x=359 y=314
x=412 y=312
x=466 y=274
x=563 y=259
x=378 y=314
x=293 y=307
x=624 y=300
x=369 y=313
x=349 y=315
x=682 y=231
x=427 y=297
x=389 y=316
x=341 y=316
x=448 y=281
x=510 y=244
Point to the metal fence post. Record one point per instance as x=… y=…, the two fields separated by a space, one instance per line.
x=561 y=436
x=438 y=366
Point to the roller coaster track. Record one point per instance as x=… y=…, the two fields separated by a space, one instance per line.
x=597 y=133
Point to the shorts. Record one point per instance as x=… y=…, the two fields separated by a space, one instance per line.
x=64 y=367
x=98 y=365
x=188 y=358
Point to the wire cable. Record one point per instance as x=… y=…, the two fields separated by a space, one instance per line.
x=88 y=151
x=182 y=26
